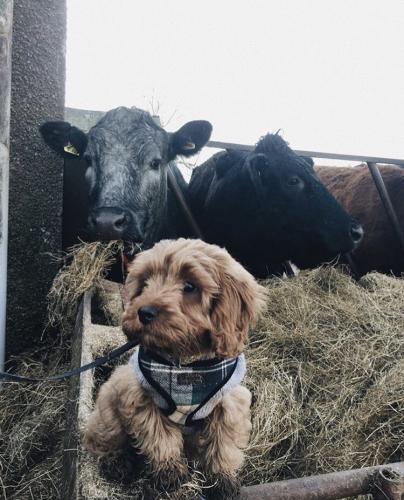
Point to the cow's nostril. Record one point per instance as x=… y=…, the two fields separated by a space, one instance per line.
x=357 y=233
x=121 y=222
x=147 y=314
x=109 y=223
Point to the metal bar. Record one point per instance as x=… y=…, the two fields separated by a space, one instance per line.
x=384 y=196
x=315 y=154
x=388 y=484
x=6 y=16
x=331 y=486
x=288 y=268
x=89 y=118
x=183 y=204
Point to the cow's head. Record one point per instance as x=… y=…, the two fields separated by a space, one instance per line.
x=277 y=198
x=127 y=155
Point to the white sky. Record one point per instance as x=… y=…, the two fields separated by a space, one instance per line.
x=330 y=74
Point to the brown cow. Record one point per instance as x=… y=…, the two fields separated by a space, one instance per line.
x=354 y=188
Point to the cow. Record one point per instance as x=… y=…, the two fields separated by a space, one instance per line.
x=126 y=155
x=267 y=206
x=354 y=188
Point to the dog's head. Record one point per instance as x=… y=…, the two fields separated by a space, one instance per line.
x=188 y=298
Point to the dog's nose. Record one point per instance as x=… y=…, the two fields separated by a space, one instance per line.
x=147 y=314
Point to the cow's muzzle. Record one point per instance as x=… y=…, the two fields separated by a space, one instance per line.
x=356 y=233
x=109 y=223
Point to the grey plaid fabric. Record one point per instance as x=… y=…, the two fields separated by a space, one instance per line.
x=187 y=393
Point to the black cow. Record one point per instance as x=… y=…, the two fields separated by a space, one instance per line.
x=127 y=156
x=268 y=206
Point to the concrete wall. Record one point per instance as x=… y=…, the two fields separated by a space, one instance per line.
x=35 y=202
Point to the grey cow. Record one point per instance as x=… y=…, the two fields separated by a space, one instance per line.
x=127 y=156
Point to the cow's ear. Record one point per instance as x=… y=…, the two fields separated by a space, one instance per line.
x=309 y=161
x=258 y=161
x=190 y=138
x=227 y=160
x=66 y=140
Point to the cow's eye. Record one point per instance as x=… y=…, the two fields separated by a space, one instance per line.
x=189 y=287
x=294 y=181
x=155 y=164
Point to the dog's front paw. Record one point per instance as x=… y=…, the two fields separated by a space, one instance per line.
x=170 y=476
x=122 y=467
x=222 y=487
x=95 y=446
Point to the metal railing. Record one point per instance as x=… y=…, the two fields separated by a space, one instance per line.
x=315 y=154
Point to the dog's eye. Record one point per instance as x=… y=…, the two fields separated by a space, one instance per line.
x=189 y=287
x=139 y=289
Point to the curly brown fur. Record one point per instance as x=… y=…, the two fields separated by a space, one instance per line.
x=209 y=319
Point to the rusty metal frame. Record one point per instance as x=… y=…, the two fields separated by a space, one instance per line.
x=315 y=154
x=386 y=200
x=382 y=481
x=172 y=182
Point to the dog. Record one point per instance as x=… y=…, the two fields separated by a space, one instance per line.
x=190 y=307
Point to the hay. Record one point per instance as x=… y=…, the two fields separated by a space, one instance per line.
x=107 y=305
x=84 y=266
x=326 y=368
x=32 y=426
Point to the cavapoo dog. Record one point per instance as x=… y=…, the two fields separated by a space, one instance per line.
x=179 y=399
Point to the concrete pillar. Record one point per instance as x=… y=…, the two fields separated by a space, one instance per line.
x=35 y=203
x=6 y=15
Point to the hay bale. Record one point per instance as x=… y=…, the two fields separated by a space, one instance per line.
x=325 y=369
x=32 y=426
x=325 y=366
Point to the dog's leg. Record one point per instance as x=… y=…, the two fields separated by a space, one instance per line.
x=221 y=442
x=160 y=441
x=104 y=433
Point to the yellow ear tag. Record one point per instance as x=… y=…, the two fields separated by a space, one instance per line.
x=188 y=146
x=69 y=148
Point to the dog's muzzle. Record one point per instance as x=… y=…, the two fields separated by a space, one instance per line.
x=147 y=314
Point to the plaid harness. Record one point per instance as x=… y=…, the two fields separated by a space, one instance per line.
x=187 y=394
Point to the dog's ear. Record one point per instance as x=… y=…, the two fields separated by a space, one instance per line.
x=239 y=303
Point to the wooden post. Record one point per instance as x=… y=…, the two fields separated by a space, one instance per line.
x=6 y=16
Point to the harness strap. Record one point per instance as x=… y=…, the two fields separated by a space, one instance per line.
x=172 y=386
x=189 y=421
x=75 y=371
x=172 y=406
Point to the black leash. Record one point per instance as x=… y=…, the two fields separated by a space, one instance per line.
x=97 y=362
